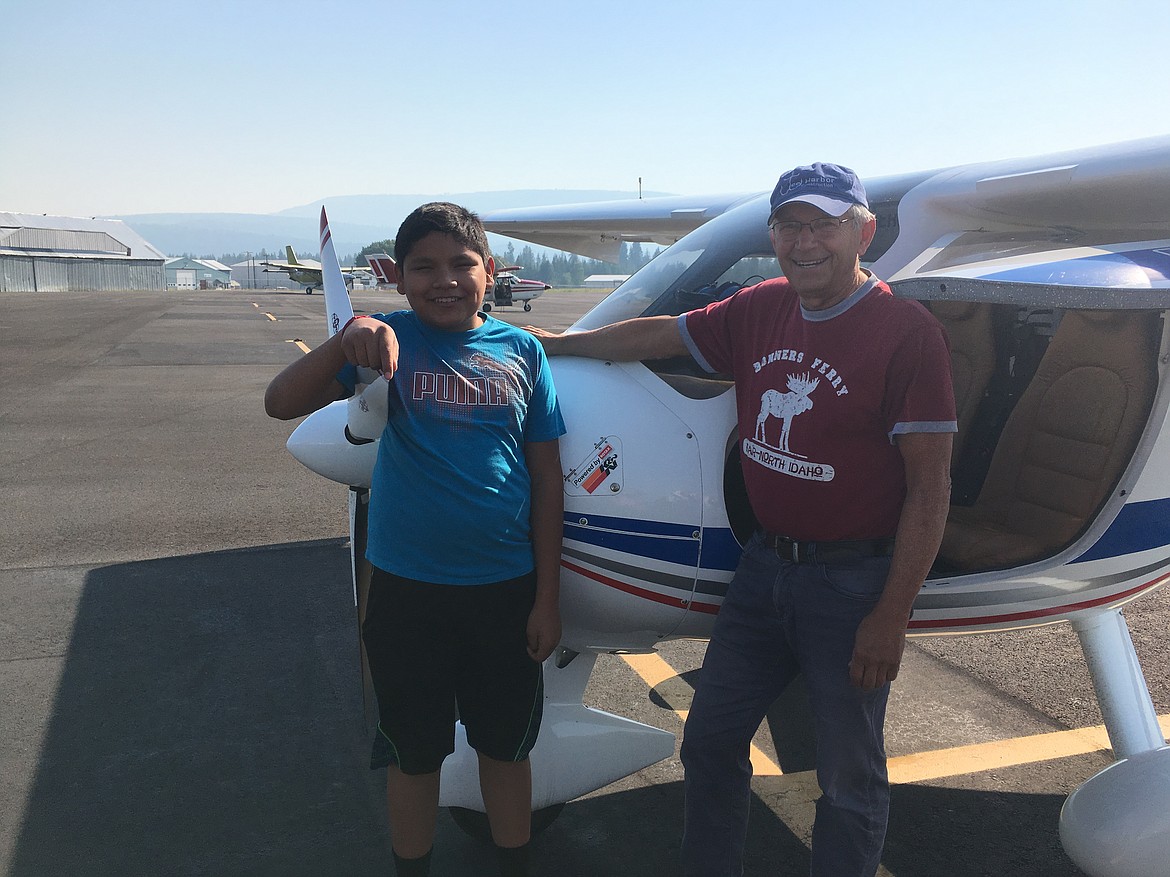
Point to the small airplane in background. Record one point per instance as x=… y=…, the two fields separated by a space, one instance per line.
x=1052 y=277
x=509 y=288
x=309 y=271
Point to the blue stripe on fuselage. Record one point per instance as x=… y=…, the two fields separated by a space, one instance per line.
x=1138 y=527
x=674 y=543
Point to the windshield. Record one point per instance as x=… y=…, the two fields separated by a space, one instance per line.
x=709 y=264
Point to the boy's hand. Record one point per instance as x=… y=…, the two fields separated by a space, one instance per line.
x=370 y=343
x=544 y=631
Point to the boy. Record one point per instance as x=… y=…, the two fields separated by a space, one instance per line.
x=464 y=529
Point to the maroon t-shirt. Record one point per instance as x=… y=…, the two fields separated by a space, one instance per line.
x=820 y=397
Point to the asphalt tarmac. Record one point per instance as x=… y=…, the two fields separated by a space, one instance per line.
x=179 y=685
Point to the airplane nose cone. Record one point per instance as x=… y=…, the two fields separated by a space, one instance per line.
x=320 y=444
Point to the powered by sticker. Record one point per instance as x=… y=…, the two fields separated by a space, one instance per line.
x=600 y=471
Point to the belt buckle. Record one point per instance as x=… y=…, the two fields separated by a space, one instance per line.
x=790 y=548
x=787 y=549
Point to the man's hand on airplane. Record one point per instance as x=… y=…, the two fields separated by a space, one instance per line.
x=546 y=338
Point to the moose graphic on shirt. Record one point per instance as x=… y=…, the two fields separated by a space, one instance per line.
x=785 y=406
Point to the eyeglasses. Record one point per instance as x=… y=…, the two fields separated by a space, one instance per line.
x=788 y=230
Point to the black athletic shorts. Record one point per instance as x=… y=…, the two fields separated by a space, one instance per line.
x=433 y=648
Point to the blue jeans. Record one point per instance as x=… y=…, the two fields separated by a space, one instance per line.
x=780 y=619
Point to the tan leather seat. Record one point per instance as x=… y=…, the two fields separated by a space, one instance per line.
x=972 y=338
x=1065 y=444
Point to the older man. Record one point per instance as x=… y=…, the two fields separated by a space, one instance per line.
x=846 y=415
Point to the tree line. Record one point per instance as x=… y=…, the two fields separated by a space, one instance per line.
x=558 y=270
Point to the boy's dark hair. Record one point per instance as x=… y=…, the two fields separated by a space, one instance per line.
x=442 y=216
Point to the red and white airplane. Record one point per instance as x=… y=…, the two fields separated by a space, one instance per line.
x=509 y=289
x=1052 y=276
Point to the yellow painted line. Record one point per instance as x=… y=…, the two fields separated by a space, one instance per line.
x=255 y=305
x=762 y=765
x=938 y=763
x=980 y=757
x=299 y=343
x=654 y=671
x=269 y=316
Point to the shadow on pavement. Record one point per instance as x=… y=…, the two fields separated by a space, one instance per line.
x=209 y=721
x=934 y=832
x=974 y=833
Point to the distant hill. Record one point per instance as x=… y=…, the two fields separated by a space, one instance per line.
x=219 y=233
x=355 y=220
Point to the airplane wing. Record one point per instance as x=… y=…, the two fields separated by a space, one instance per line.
x=990 y=266
x=311 y=272
x=282 y=266
x=1086 y=228
x=598 y=229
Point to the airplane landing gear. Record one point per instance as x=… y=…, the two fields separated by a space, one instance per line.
x=527 y=305
x=1113 y=824
x=308 y=290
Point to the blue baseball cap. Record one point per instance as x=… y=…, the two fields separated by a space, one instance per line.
x=829 y=187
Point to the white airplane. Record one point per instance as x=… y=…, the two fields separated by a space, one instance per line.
x=1052 y=276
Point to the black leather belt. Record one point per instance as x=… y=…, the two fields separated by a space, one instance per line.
x=827 y=552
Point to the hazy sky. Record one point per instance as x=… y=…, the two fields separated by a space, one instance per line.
x=127 y=106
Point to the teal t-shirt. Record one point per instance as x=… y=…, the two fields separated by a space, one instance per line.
x=451 y=495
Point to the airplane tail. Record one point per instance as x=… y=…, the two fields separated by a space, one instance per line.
x=288 y=251
x=384 y=268
x=368 y=407
x=337 y=303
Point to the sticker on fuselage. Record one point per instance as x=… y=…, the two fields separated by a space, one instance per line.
x=600 y=472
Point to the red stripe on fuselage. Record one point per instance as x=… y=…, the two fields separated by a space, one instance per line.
x=1037 y=613
x=645 y=594
x=712 y=609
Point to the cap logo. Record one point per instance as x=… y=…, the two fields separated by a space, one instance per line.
x=834 y=184
x=792 y=181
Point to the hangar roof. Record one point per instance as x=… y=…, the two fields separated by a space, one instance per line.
x=206 y=263
x=31 y=233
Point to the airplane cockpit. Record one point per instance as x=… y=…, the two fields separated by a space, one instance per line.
x=1054 y=382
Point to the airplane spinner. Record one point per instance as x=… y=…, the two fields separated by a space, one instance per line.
x=1052 y=277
